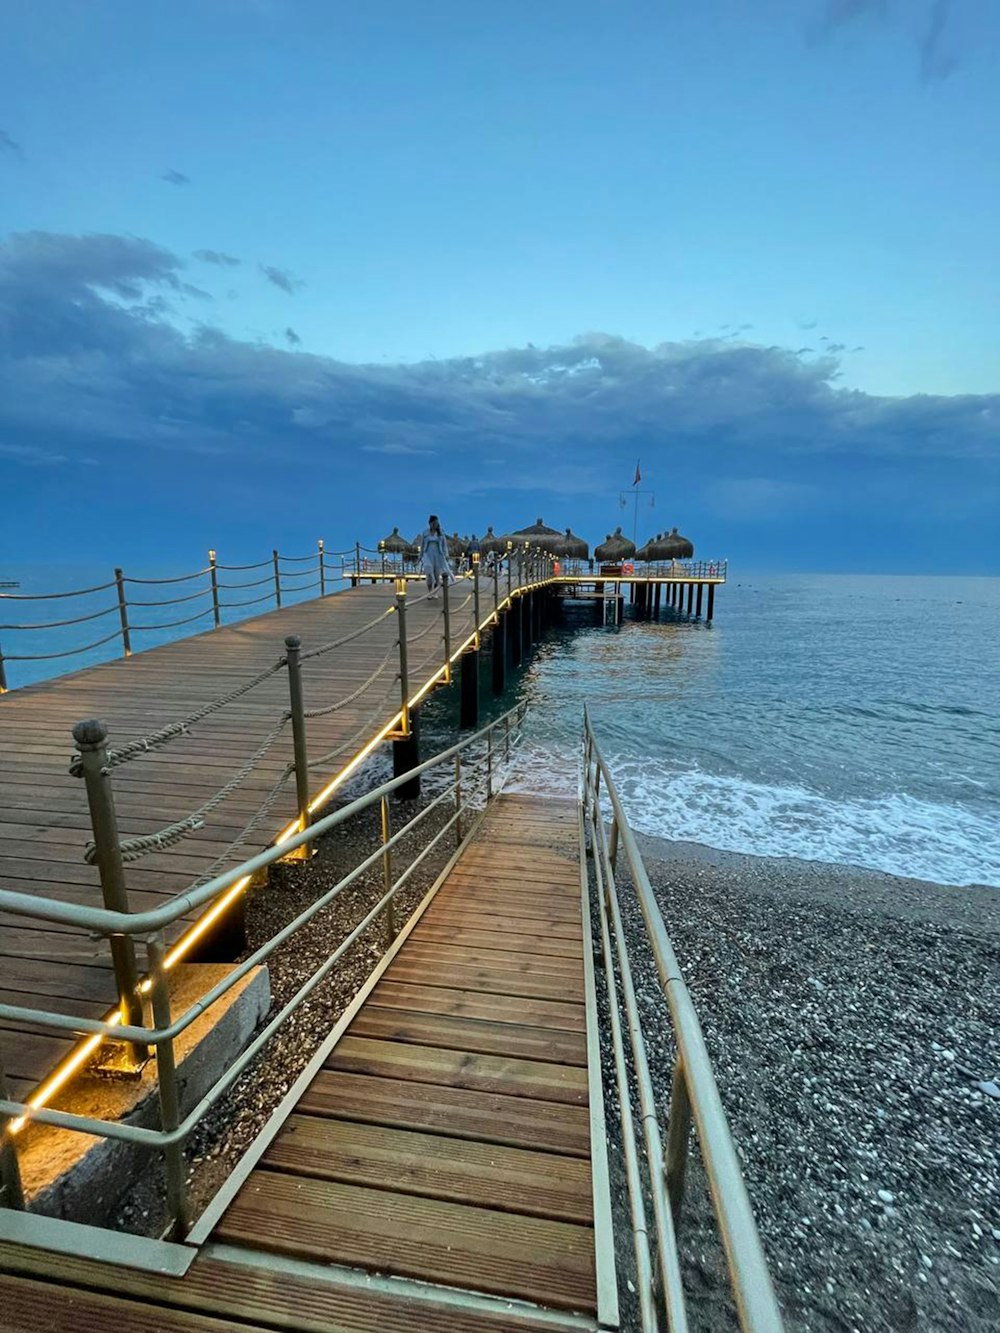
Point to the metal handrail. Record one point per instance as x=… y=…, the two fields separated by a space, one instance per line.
x=694 y=1090
x=164 y=1029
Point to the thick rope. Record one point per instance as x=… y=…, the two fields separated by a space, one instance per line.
x=133 y=849
x=361 y=731
x=348 y=638
x=356 y=694
x=254 y=822
x=174 y=729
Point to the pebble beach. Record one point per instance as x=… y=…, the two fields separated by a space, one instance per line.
x=852 y=1020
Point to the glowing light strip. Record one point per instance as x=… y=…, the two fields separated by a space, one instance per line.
x=64 y=1072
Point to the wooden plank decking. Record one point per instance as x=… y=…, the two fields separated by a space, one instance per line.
x=446 y=1139
x=44 y=824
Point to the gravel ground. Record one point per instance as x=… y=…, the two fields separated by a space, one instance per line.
x=852 y=1022
x=225 y=1134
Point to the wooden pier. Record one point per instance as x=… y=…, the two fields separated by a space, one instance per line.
x=44 y=821
x=436 y=1171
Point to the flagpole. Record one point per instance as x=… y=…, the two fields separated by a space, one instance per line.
x=635 y=512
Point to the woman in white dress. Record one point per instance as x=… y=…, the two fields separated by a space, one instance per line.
x=434 y=555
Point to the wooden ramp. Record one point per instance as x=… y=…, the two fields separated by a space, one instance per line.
x=44 y=823
x=436 y=1172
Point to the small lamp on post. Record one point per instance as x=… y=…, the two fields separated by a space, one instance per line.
x=381 y=548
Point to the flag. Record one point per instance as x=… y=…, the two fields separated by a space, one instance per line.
x=638 y=474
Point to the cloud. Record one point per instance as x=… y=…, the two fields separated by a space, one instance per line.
x=396 y=450
x=282 y=278
x=759 y=497
x=936 y=63
x=836 y=13
x=293 y=338
x=9 y=145
x=175 y=177
x=93 y=363
x=216 y=257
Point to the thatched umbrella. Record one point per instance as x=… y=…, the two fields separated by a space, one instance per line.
x=573 y=547
x=491 y=543
x=615 y=548
x=670 y=546
x=394 y=544
x=538 y=534
x=457 y=545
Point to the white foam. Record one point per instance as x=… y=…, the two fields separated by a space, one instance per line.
x=895 y=833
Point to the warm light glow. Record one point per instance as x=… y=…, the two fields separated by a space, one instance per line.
x=211 y=557
x=64 y=1072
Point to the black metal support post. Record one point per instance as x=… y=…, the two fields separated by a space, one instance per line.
x=697 y=608
x=469 y=686
x=711 y=603
x=514 y=634
x=405 y=756
x=498 y=653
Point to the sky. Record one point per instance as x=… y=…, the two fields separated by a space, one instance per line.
x=279 y=269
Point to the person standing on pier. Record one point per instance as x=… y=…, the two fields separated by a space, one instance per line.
x=434 y=555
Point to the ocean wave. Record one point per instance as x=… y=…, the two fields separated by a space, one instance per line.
x=895 y=833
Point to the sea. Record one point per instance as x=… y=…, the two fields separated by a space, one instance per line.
x=852 y=719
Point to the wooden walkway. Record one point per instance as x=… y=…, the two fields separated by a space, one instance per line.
x=44 y=824
x=445 y=1141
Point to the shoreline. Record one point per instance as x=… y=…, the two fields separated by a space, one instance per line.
x=856 y=888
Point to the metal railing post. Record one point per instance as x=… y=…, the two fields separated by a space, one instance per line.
x=322 y=569
x=90 y=737
x=507 y=728
x=213 y=572
x=11 y=1190
x=489 y=765
x=390 y=907
x=277 y=579
x=404 y=674
x=3 y=675
x=166 y=1079
x=357 y=558
x=496 y=588
x=678 y=1139
x=446 y=614
x=613 y=847
x=123 y=613
x=293 y=646
x=510 y=573
x=458 y=799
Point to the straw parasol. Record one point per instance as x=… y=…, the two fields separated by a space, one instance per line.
x=491 y=543
x=538 y=534
x=573 y=547
x=670 y=546
x=394 y=544
x=457 y=545
x=615 y=548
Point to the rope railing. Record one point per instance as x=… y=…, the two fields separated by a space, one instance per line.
x=133 y=849
x=174 y=624
x=164 y=735
x=60 y=624
x=177 y=578
x=292 y=576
